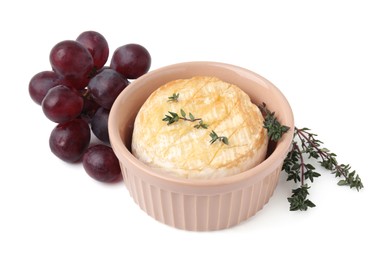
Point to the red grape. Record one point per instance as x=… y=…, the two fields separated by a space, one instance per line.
x=62 y=104
x=68 y=141
x=96 y=45
x=99 y=124
x=106 y=86
x=73 y=61
x=100 y=162
x=131 y=60
x=76 y=82
x=90 y=107
x=41 y=83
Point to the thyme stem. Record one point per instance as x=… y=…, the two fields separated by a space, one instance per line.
x=302 y=165
x=189 y=119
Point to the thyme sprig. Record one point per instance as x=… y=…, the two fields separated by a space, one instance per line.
x=306 y=145
x=175 y=117
x=215 y=137
x=274 y=128
x=174 y=97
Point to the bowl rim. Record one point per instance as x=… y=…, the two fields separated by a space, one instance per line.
x=264 y=168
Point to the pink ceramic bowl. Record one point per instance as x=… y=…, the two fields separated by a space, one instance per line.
x=198 y=204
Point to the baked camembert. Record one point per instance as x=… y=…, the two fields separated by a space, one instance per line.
x=184 y=150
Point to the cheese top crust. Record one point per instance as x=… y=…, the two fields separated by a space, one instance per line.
x=185 y=151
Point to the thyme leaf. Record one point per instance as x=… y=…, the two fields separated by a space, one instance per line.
x=201 y=125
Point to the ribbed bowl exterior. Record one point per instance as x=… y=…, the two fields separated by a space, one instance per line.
x=196 y=212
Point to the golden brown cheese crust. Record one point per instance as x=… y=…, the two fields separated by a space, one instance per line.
x=183 y=150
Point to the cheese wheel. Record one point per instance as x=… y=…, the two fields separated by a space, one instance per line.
x=182 y=149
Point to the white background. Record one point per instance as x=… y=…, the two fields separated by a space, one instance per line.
x=330 y=58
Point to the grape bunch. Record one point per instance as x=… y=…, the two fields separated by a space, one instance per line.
x=77 y=94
